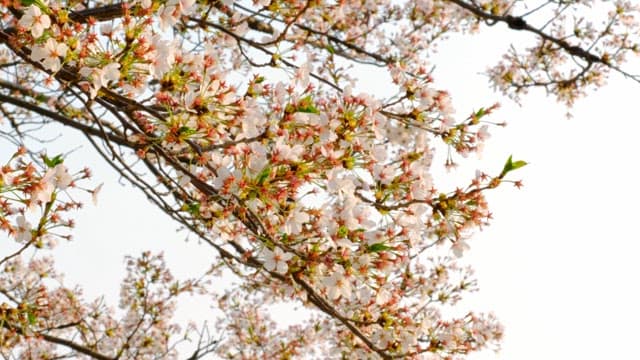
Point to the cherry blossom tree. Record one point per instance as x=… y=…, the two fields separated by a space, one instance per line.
x=239 y=121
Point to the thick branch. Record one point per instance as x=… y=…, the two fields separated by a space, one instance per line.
x=65 y=120
x=79 y=348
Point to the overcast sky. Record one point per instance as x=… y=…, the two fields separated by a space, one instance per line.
x=557 y=265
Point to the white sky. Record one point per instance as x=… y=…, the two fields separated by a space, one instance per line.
x=557 y=265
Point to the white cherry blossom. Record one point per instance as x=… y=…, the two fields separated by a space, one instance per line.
x=23 y=233
x=59 y=177
x=276 y=260
x=35 y=20
x=295 y=221
x=338 y=284
x=49 y=54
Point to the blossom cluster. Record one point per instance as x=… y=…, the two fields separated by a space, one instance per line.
x=37 y=309
x=30 y=194
x=243 y=122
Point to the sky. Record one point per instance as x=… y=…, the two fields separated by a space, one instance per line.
x=557 y=265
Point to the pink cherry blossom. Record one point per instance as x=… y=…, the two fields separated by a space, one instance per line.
x=42 y=191
x=240 y=121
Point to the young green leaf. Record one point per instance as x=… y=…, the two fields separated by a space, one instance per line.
x=194 y=208
x=185 y=131
x=53 y=161
x=511 y=165
x=31 y=317
x=377 y=247
x=306 y=106
x=263 y=175
x=343 y=231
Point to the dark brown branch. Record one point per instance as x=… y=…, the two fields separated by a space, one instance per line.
x=60 y=341
x=329 y=37
x=77 y=347
x=102 y=13
x=65 y=120
x=9 y=257
x=258 y=46
x=115 y=11
x=518 y=23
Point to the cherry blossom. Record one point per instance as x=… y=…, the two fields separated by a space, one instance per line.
x=24 y=228
x=100 y=77
x=95 y=194
x=459 y=247
x=276 y=260
x=59 y=177
x=295 y=222
x=42 y=191
x=34 y=20
x=241 y=120
x=338 y=285
x=49 y=54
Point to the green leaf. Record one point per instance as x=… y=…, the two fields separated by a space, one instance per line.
x=53 y=161
x=194 y=208
x=511 y=165
x=306 y=105
x=38 y=3
x=377 y=247
x=518 y=164
x=186 y=131
x=343 y=231
x=331 y=49
x=264 y=174
x=31 y=317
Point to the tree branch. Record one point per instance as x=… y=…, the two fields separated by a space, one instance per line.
x=65 y=121
x=518 y=23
